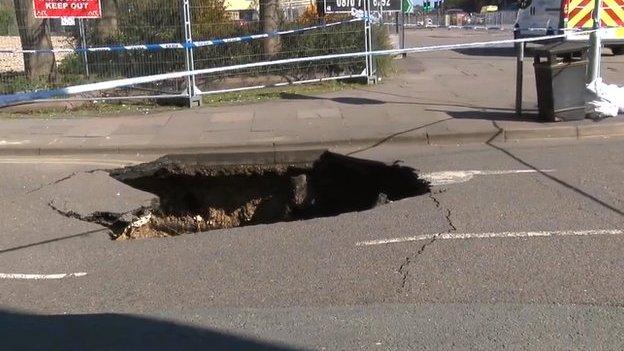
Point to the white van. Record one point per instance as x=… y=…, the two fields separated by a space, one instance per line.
x=545 y=17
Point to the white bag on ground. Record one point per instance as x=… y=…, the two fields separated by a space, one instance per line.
x=604 y=100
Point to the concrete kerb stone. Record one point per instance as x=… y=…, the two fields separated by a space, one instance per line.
x=541 y=133
x=600 y=130
x=427 y=137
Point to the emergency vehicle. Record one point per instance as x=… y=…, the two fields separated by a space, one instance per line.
x=546 y=17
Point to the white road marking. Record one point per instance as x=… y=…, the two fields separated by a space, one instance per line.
x=452 y=236
x=67 y=161
x=453 y=177
x=41 y=276
x=4 y=142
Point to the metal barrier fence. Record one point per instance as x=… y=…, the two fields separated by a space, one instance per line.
x=139 y=22
x=438 y=18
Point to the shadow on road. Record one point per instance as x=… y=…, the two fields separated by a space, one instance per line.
x=53 y=240
x=500 y=115
x=20 y=331
x=550 y=176
x=418 y=101
x=491 y=51
x=342 y=100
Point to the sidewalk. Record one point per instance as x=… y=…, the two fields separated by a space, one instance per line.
x=344 y=118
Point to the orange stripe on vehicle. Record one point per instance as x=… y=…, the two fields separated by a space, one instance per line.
x=576 y=3
x=586 y=22
x=575 y=11
x=607 y=17
x=620 y=3
x=580 y=19
x=616 y=12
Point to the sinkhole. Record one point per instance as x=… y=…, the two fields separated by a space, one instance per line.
x=198 y=193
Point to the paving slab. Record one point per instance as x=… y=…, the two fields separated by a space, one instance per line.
x=93 y=128
x=319 y=113
x=232 y=117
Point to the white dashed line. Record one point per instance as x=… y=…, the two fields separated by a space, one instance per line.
x=454 y=236
x=41 y=276
x=20 y=142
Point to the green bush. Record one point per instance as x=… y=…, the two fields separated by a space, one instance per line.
x=142 y=21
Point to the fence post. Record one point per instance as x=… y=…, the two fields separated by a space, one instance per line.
x=368 y=46
x=402 y=34
x=192 y=91
x=595 y=44
x=83 y=39
x=519 y=75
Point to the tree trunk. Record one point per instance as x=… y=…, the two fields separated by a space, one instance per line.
x=107 y=25
x=270 y=20
x=35 y=35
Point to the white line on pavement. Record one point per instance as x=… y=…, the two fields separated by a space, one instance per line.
x=5 y=142
x=452 y=177
x=451 y=236
x=40 y=276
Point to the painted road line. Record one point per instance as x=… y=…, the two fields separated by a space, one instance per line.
x=503 y=235
x=453 y=177
x=18 y=276
x=6 y=142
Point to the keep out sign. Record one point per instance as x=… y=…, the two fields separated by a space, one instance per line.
x=67 y=8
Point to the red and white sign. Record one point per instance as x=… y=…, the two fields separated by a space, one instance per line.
x=67 y=8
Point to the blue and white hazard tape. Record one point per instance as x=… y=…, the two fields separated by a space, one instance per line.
x=189 y=45
x=7 y=100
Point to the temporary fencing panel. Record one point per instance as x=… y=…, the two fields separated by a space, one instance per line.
x=135 y=38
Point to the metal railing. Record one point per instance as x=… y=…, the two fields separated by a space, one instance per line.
x=184 y=22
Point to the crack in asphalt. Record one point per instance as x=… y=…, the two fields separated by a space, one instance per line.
x=114 y=222
x=102 y=218
x=73 y=174
x=404 y=267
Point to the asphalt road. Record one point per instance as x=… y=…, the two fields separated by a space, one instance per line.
x=316 y=284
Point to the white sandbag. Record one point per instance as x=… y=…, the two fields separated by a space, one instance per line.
x=604 y=100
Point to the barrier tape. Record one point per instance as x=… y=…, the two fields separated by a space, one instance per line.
x=489 y=27
x=6 y=100
x=189 y=45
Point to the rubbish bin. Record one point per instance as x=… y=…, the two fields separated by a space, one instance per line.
x=560 y=80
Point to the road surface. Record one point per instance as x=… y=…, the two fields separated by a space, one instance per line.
x=517 y=247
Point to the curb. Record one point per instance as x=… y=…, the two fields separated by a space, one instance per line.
x=582 y=132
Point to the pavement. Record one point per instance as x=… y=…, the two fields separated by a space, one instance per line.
x=311 y=284
x=436 y=98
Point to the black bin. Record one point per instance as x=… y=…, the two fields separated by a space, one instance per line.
x=560 y=71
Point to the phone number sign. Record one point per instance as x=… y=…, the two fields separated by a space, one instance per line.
x=338 y=6
x=67 y=8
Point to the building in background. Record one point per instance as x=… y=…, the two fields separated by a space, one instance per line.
x=247 y=10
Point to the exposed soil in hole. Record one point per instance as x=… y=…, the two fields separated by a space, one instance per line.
x=199 y=195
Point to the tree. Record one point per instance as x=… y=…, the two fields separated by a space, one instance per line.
x=107 y=25
x=269 y=17
x=35 y=35
x=469 y=5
